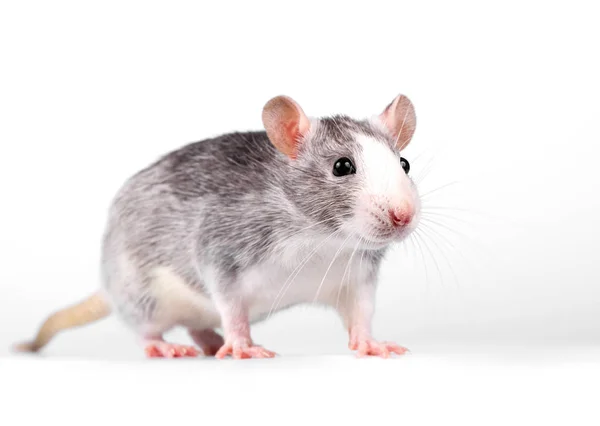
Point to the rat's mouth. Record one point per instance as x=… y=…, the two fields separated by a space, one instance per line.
x=382 y=238
x=378 y=229
x=386 y=235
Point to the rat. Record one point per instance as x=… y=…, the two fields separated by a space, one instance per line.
x=224 y=232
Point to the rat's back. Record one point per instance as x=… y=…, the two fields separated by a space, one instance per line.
x=181 y=213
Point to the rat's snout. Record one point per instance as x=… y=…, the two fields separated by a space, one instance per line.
x=401 y=215
x=388 y=219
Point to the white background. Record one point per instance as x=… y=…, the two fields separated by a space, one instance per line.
x=500 y=308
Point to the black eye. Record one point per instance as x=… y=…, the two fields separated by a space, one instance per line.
x=405 y=164
x=343 y=167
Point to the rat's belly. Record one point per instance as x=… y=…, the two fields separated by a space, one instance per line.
x=325 y=279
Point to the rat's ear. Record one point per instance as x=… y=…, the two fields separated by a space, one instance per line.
x=285 y=123
x=400 y=119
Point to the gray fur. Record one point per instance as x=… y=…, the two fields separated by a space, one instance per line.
x=227 y=202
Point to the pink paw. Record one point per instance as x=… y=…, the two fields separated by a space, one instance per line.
x=241 y=350
x=159 y=349
x=369 y=347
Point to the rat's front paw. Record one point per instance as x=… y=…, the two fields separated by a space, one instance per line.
x=243 y=349
x=370 y=347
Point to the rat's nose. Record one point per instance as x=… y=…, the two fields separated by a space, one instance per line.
x=401 y=216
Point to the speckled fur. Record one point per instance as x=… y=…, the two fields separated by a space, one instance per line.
x=206 y=219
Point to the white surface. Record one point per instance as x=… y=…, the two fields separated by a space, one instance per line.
x=496 y=386
x=507 y=104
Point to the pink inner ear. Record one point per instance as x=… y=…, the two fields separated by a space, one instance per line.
x=298 y=126
x=295 y=130
x=285 y=123
x=291 y=129
x=292 y=135
x=399 y=117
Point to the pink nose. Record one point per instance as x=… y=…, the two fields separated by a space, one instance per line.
x=401 y=216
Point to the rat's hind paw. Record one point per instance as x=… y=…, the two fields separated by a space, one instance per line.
x=160 y=349
x=208 y=340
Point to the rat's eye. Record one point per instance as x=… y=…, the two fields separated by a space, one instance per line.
x=343 y=167
x=405 y=164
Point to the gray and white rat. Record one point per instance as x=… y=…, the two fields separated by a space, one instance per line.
x=223 y=232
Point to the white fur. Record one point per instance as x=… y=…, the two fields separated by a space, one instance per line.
x=177 y=303
x=383 y=173
x=323 y=276
x=327 y=275
x=385 y=187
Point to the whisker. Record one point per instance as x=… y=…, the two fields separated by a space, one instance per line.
x=412 y=251
x=416 y=157
x=287 y=284
x=347 y=269
x=445 y=208
x=439 y=188
x=329 y=267
x=442 y=236
x=437 y=266
x=314 y=224
x=429 y=235
x=455 y=232
x=418 y=175
x=420 y=251
x=505 y=220
x=360 y=269
x=402 y=247
x=428 y=213
x=271 y=253
x=433 y=220
x=448 y=243
x=425 y=172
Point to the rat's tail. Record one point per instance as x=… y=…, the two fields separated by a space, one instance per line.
x=91 y=309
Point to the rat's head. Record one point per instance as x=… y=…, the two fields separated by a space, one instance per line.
x=348 y=175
